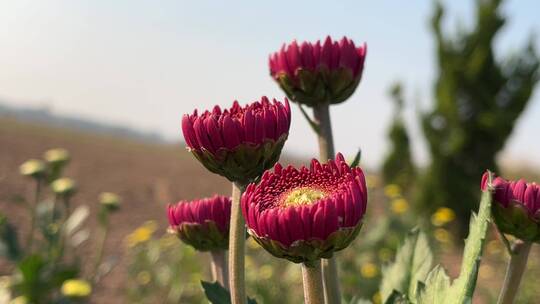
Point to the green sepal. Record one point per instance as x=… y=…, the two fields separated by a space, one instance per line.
x=517 y=221
x=243 y=163
x=322 y=86
x=309 y=251
x=203 y=237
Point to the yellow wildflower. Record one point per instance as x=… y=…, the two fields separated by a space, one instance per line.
x=392 y=190
x=141 y=234
x=63 y=186
x=442 y=216
x=372 y=181
x=76 y=288
x=442 y=235
x=33 y=167
x=369 y=270
x=399 y=206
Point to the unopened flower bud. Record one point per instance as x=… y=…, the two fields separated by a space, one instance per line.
x=33 y=168
x=64 y=186
x=109 y=200
x=76 y=288
x=57 y=157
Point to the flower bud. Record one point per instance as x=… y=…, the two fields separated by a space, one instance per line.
x=327 y=72
x=64 y=186
x=110 y=201
x=203 y=223
x=516 y=207
x=241 y=142
x=306 y=214
x=57 y=157
x=34 y=168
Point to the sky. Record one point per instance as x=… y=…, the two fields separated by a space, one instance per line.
x=145 y=63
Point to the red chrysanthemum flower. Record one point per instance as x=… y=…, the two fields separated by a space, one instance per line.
x=306 y=214
x=241 y=142
x=517 y=207
x=321 y=72
x=203 y=223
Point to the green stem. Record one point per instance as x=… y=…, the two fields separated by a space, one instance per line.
x=219 y=269
x=514 y=272
x=33 y=216
x=325 y=138
x=237 y=240
x=101 y=250
x=313 y=286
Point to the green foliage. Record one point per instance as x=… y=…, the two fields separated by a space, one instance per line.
x=438 y=288
x=398 y=167
x=478 y=100
x=411 y=266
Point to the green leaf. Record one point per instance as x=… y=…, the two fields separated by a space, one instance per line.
x=217 y=294
x=438 y=288
x=357 y=158
x=412 y=264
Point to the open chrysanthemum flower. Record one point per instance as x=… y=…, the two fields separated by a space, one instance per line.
x=320 y=72
x=203 y=223
x=517 y=207
x=241 y=142
x=306 y=214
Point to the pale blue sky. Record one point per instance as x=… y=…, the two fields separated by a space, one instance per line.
x=145 y=63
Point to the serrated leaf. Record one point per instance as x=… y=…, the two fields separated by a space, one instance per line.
x=412 y=264
x=217 y=294
x=435 y=288
x=438 y=288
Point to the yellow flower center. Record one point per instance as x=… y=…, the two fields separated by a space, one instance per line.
x=302 y=196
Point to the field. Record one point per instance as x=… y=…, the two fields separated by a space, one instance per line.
x=148 y=176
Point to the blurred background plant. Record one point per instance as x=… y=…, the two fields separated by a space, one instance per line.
x=46 y=262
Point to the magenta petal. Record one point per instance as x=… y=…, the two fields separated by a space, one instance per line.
x=202 y=136
x=189 y=133
x=326 y=52
x=306 y=51
x=529 y=198
x=214 y=132
x=270 y=123
x=305 y=216
x=282 y=121
x=272 y=224
x=249 y=126
x=294 y=225
x=218 y=215
x=537 y=199
x=283 y=232
x=252 y=217
x=519 y=190
x=330 y=217
x=336 y=53
x=318 y=222
x=230 y=134
x=283 y=65
x=259 y=128
x=293 y=57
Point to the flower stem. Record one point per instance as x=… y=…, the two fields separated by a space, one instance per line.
x=514 y=272
x=321 y=113
x=313 y=287
x=237 y=240
x=219 y=269
x=33 y=215
x=101 y=248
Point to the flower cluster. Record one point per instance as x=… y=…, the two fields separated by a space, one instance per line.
x=517 y=208
x=321 y=72
x=241 y=142
x=306 y=214
x=203 y=223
